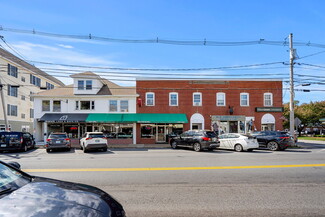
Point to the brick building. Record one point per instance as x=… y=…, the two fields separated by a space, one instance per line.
x=232 y=105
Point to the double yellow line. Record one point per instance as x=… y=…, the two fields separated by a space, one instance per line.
x=167 y=168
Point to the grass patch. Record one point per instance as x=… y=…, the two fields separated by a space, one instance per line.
x=311 y=138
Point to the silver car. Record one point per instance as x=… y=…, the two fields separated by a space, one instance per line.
x=58 y=141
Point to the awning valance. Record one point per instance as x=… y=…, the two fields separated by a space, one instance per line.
x=136 y=118
x=63 y=117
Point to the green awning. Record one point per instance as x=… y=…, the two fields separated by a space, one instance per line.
x=137 y=118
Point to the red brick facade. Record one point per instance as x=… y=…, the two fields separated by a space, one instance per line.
x=209 y=89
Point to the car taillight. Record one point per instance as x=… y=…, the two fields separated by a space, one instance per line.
x=88 y=138
x=21 y=140
x=206 y=138
x=104 y=137
x=286 y=137
x=48 y=140
x=67 y=139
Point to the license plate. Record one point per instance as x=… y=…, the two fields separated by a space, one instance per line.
x=4 y=145
x=58 y=142
x=97 y=140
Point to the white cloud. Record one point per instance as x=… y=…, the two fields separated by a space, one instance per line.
x=65 y=46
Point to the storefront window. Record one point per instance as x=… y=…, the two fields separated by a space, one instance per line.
x=148 y=131
x=118 y=131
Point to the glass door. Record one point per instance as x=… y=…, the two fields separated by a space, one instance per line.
x=161 y=136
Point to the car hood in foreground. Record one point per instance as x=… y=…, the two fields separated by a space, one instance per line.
x=49 y=197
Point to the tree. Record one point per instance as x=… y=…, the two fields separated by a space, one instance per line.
x=308 y=113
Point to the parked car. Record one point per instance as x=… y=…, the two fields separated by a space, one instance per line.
x=273 y=140
x=238 y=142
x=16 y=141
x=57 y=141
x=93 y=140
x=196 y=139
x=24 y=195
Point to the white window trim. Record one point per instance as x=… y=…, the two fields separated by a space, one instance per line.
x=271 y=94
x=153 y=100
x=170 y=99
x=224 y=97
x=197 y=93
x=241 y=94
x=117 y=105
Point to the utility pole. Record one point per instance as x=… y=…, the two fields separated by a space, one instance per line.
x=4 y=107
x=292 y=58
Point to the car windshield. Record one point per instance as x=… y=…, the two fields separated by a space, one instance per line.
x=11 y=179
x=58 y=136
x=96 y=135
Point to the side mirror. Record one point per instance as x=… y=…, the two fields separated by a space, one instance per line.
x=15 y=164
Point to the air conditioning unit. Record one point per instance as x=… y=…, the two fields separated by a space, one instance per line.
x=197 y=104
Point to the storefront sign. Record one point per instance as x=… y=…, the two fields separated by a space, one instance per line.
x=269 y=109
x=227 y=118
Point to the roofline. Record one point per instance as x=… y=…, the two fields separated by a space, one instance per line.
x=55 y=80
x=209 y=79
x=83 y=96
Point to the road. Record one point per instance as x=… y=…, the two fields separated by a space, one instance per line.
x=165 y=182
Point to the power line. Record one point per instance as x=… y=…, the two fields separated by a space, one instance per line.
x=158 y=40
x=11 y=48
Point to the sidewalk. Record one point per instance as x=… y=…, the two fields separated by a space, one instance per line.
x=311 y=141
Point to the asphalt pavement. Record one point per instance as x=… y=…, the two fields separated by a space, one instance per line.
x=165 y=182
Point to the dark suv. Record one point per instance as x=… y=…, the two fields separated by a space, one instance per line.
x=16 y=141
x=273 y=140
x=58 y=141
x=196 y=139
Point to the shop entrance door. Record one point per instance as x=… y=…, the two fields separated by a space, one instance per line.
x=233 y=126
x=161 y=137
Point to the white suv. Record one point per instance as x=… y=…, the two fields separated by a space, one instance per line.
x=93 y=140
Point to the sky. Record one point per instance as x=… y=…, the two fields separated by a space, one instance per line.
x=177 y=20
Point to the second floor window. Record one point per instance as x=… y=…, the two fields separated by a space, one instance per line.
x=124 y=104
x=13 y=71
x=244 y=99
x=56 y=106
x=150 y=99
x=221 y=99
x=197 y=99
x=12 y=110
x=113 y=105
x=46 y=105
x=12 y=91
x=268 y=99
x=85 y=105
x=173 y=99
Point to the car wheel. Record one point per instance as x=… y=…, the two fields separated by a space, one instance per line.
x=273 y=146
x=197 y=147
x=238 y=148
x=85 y=150
x=81 y=148
x=173 y=144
